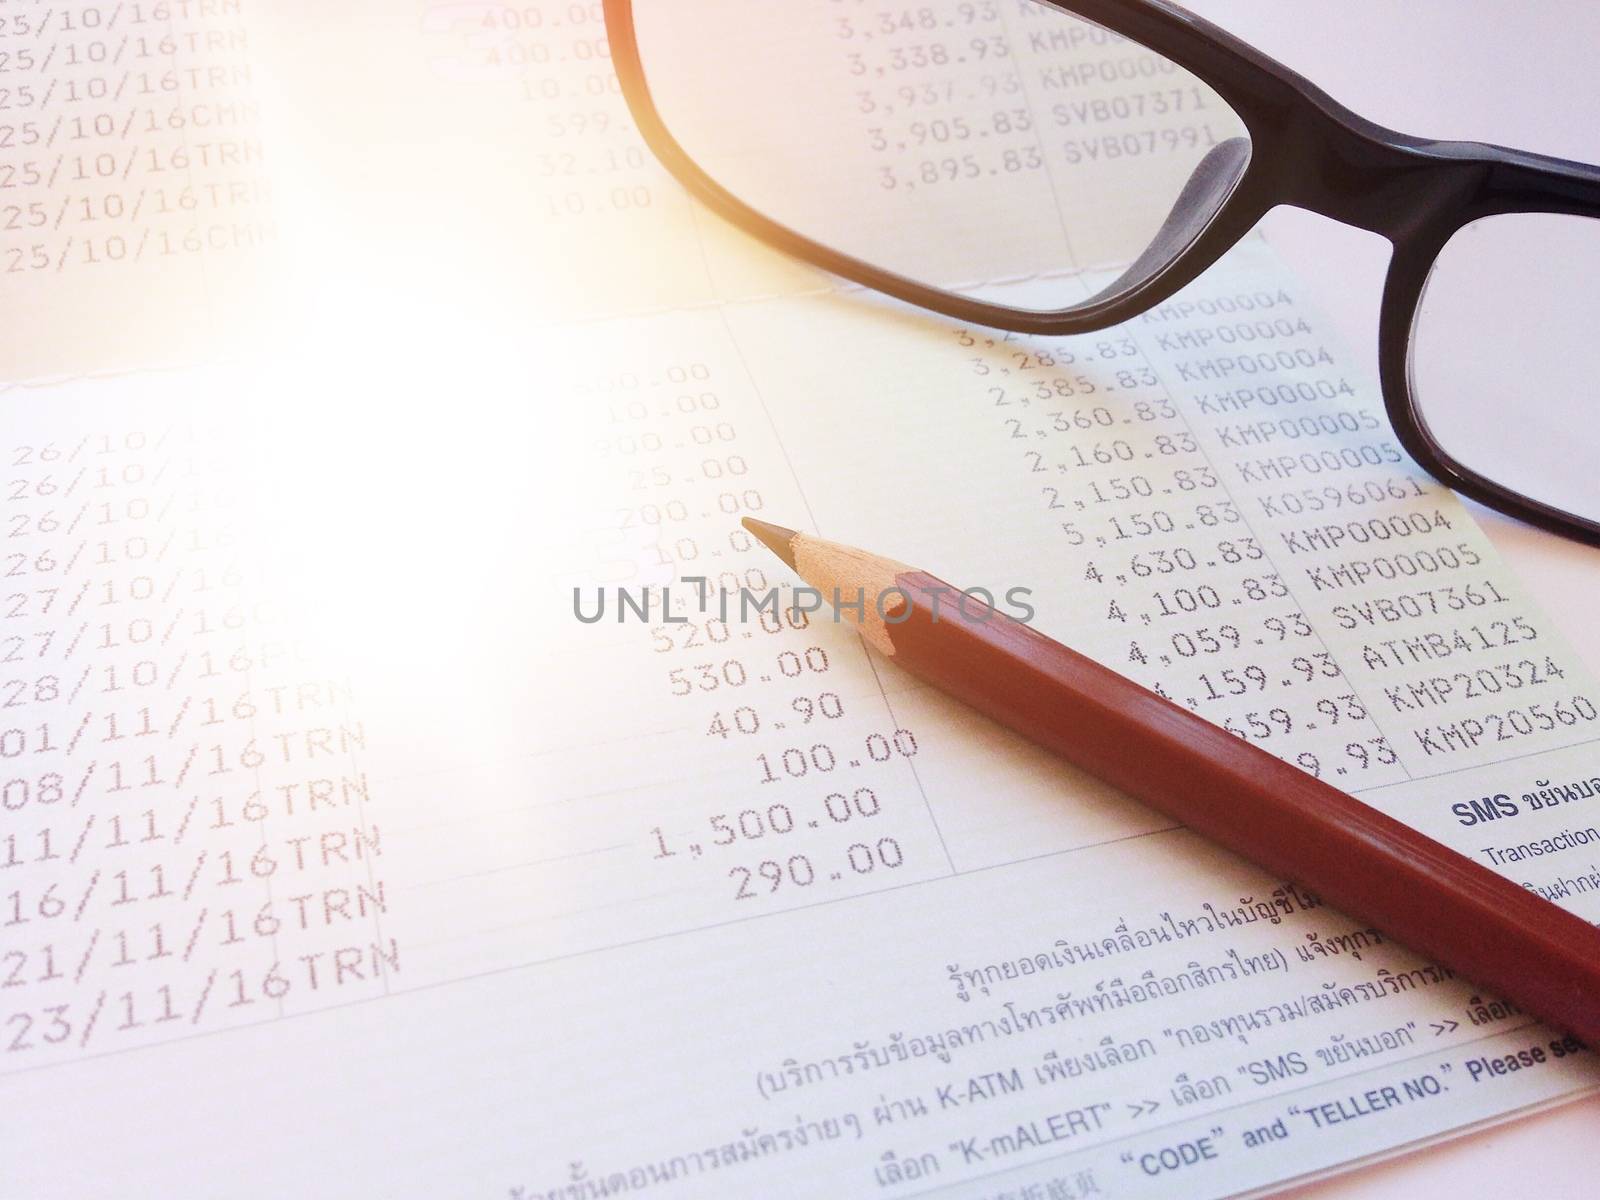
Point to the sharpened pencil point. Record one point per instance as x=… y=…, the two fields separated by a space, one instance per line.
x=774 y=537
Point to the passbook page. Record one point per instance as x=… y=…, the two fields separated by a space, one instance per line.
x=413 y=782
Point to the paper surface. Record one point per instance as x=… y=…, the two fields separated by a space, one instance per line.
x=340 y=857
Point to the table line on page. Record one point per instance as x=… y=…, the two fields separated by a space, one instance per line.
x=811 y=517
x=1510 y=758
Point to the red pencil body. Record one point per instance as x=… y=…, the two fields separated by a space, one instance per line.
x=1427 y=896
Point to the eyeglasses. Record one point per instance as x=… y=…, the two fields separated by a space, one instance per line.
x=1059 y=166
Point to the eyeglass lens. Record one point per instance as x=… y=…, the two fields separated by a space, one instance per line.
x=1003 y=150
x=1505 y=356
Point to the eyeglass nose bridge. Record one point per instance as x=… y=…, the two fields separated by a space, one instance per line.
x=1351 y=170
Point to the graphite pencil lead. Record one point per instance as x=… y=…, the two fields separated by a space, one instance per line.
x=775 y=537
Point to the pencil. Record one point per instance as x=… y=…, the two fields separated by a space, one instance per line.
x=1416 y=890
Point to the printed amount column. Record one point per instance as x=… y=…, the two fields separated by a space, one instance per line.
x=804 y=787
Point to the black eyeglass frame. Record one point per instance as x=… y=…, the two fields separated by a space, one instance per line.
x=1307 y=151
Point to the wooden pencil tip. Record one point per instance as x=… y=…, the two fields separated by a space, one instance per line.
x=774 y=537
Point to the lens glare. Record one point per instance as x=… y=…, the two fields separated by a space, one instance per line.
x=1001 y=149
x=1505 y=356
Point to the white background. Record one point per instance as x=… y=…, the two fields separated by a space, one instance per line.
x=1519 y=74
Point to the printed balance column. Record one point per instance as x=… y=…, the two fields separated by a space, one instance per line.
x=1444 y=653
